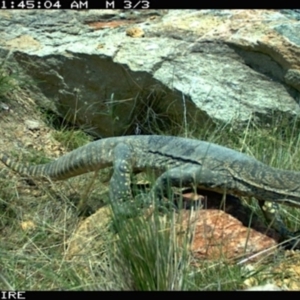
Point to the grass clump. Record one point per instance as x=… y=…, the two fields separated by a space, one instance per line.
x=72 y=139
x=150 y=254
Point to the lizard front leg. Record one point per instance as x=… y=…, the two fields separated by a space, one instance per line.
x=189 y=176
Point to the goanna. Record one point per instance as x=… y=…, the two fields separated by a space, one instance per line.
x=182 y=162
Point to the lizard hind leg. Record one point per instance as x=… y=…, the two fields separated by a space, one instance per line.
x=120 y=183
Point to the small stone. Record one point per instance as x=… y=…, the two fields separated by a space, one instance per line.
x=33 y=124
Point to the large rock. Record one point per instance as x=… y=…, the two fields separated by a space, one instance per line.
x=118 y=72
